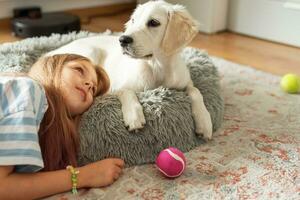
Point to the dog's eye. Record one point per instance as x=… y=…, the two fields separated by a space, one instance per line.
x=153 y=23
x=132 y=20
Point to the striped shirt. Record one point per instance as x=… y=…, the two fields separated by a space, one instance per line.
x=22 y=106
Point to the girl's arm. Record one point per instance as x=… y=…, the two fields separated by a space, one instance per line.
x=42 y=184
x=33 y=185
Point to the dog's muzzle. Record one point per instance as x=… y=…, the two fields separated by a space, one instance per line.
x=126 y=43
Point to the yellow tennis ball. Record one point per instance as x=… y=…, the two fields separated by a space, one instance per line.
x=290 y=83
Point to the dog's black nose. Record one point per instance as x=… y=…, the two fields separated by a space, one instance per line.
x=125 y=40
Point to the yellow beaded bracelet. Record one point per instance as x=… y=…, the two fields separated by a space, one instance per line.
x=74 y=179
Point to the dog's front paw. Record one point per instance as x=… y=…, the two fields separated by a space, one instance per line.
x=205 y=130
x=204 y=126
x=134 y=117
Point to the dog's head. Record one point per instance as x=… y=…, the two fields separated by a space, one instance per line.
x=157 y=27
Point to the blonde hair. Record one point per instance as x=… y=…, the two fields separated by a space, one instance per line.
x=58 y=135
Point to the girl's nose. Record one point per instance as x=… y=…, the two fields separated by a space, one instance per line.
x=88 y=85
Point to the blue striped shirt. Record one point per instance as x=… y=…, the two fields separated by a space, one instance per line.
x=23 y=104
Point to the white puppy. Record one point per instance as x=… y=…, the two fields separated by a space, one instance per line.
x=146 y=56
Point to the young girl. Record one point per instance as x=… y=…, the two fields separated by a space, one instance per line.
x=39 y=115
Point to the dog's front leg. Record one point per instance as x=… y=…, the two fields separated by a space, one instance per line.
x=201 y=116
x=132 y=109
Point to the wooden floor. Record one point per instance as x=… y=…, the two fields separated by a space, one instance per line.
x=260 y=54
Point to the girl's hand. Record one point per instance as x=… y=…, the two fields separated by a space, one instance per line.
x=100 y=173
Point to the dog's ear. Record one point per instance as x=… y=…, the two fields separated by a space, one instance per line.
x=180 y=31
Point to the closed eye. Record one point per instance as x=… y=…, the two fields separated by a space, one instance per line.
x=153 y=23
x=79 y=69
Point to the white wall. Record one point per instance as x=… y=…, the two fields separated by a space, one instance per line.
x=6 y=6
x=275 y=20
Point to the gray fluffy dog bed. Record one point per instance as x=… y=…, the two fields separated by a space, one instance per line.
x=168 y=112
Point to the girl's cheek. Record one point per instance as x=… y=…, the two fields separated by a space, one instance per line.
x=91 y=99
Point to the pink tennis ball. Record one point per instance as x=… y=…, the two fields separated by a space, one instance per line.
x=171 y=162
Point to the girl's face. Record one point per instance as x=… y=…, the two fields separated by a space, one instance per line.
x=79 y=85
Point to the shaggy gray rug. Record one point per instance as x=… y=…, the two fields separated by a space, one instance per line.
x=168 y=112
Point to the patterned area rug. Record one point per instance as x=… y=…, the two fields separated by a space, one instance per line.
x=255 y=155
